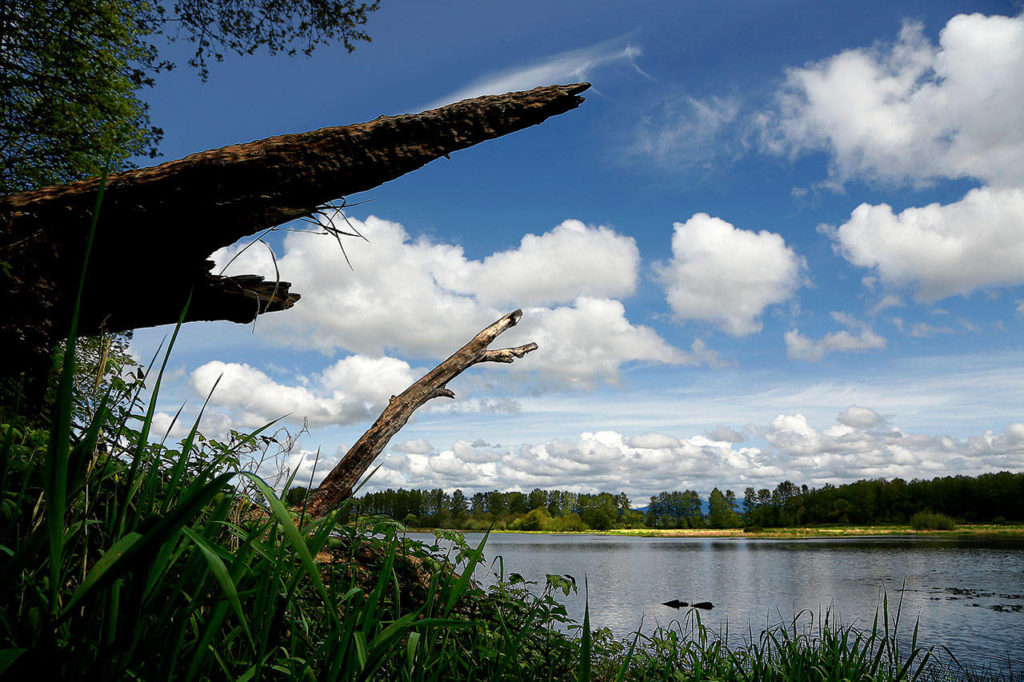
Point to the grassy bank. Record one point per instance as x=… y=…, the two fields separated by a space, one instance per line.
x=977 y=529
x=1009 y=530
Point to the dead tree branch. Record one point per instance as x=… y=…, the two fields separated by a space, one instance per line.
x=159 y=225
x=337 y=487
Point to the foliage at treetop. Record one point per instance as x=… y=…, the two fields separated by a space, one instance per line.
x=71 y=71
x=69 y=77
x=245 y=26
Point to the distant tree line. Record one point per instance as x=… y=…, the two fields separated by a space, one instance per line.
x=553 y=510
x=986 y=498
x=550 y=510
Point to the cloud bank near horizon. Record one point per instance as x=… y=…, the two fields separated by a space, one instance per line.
x=861 y=444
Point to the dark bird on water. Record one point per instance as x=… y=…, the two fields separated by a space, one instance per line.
x=676 y=604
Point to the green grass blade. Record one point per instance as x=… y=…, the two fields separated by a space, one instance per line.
x=361 y=652
x=149 y=542
x=101 y=572
x=586 y=644
x=203 y=647
x=147 y=422
x=178 y=470
x=8 y=657
x=410 y=650
x=220 y=572
x=467 y=575
x=56 y=468
x=8 y=446
x=294 y=538
x=629 y=658
x=379 y=647
x=82 y=453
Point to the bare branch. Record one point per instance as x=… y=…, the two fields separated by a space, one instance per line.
x=507 y=354
x=337 y=487
x=441 y=393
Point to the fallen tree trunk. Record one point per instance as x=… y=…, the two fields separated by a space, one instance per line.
x=337 y=486
x=159 y=225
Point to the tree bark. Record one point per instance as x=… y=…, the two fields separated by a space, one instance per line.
x=159 y=225
x=337 y=486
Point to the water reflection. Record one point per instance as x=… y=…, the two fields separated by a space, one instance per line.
x=967 y=592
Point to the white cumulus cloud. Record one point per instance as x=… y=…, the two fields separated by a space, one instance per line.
x=423 y=299
x=589 y=341
x=640 y=465
x=912 y=111
x=860 y=444
x=725 y=275
x=351 y=390
x=941 y=250
x=860 y=417
x=849 y=451
x=554 y=267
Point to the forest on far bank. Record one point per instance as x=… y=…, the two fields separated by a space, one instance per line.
x=988 y=498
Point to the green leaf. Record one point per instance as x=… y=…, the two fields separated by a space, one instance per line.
x=8 y=657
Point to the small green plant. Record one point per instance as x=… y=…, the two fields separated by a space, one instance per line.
x=926 y=520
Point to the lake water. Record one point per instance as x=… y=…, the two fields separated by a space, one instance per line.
x=967 y=592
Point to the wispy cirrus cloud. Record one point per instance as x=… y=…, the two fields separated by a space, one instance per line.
x=692 y=133
x=564 y=67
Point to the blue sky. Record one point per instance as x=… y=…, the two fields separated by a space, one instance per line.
x=778 y=241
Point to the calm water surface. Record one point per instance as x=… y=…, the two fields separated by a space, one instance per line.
x=965 y=591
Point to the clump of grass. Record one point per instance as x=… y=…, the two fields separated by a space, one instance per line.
x=926 y=520
x=163 y=568
x=806 y=649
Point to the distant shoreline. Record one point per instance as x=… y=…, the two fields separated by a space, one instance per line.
x=965 y=530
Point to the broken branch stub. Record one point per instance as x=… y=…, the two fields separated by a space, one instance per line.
x=338 y=485
x=159 y=225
